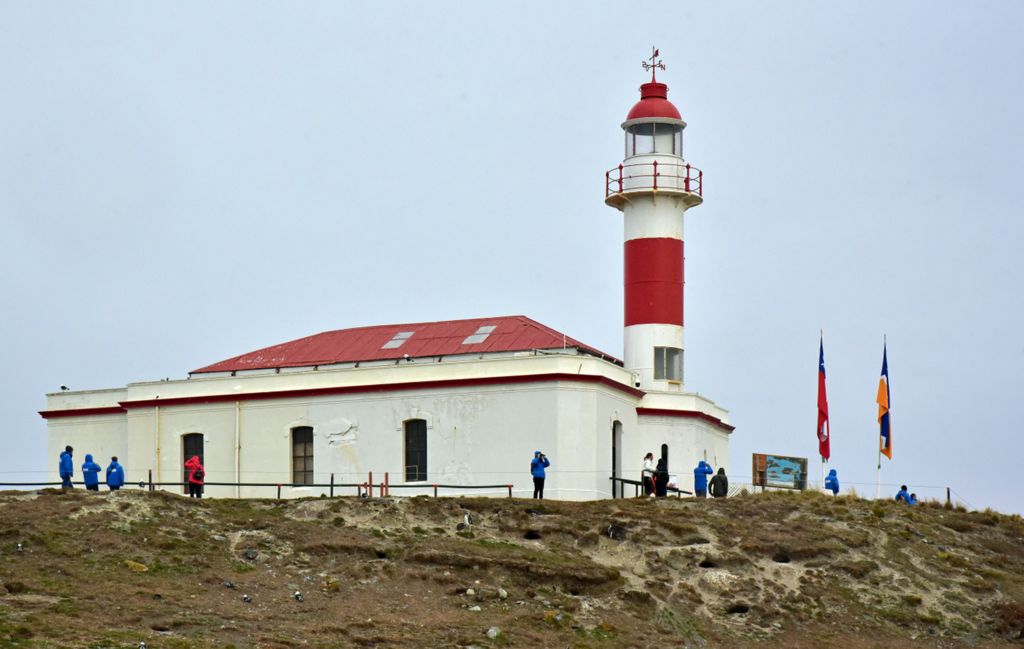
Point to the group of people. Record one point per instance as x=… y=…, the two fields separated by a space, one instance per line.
x=115 y=473
x=656 y=479
x=90 y=472
x=903 y=497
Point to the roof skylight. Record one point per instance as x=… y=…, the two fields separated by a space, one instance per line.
x=398 y=340
x=480 y=335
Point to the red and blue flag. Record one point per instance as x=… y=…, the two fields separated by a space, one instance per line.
x=823 y=427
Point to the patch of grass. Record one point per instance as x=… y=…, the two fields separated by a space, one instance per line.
x=677 y=624
x=498 y=544
x=858 y=569
x=604 y=631
x=957 y=524
x=1009 y=618
x=897 y=614
x=66 y=606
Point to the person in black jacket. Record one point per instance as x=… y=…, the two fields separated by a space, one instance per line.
x=661 y=479
x=719 y=485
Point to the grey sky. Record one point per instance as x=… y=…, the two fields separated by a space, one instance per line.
x=180 y=183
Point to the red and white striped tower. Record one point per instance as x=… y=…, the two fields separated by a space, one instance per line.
x=653 y=187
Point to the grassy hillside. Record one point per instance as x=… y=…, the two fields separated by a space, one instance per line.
x=766 y=570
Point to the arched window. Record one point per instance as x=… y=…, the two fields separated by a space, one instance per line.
x=617 y=487
x=415 y=450
x=302 y=455
x=191 y=444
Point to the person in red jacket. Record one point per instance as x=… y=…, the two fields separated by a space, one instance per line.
x=196 y=474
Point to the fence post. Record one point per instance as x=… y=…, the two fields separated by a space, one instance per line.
x=509 y=490
x=435 y=491
x=700 y=182
x=948 y=501
x=369 y=483
x=620 y=179
x=387 y=485
x=332 y=485
x=151 y=479
x=655 y=175
x=686 y=181
x=279 y=492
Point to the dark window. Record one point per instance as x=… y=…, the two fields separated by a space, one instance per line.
x=415 y=450
x=191 y=444
x=668 y=364
x=302 y=455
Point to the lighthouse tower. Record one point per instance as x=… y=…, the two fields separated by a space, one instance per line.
x=653 y=187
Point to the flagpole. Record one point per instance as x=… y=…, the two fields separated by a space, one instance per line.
x=878 y=475
x=821 y=338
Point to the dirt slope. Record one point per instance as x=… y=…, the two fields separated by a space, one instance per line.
x=774 y=570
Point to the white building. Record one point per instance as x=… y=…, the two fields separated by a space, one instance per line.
x=462 y=402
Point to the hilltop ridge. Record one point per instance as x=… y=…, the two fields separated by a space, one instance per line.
x=759 y=570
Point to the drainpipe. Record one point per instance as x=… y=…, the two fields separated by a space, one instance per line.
x=156 y=413
x=238 y=448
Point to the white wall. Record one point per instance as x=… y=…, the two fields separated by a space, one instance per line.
x=477 y=433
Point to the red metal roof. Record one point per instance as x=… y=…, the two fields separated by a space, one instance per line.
x=653 y=103
x=510 y=333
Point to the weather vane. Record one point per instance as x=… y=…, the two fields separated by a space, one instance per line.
x=654 y=64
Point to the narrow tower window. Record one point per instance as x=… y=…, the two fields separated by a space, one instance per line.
x=302 y=455
x=415 y=450
x=668 y=364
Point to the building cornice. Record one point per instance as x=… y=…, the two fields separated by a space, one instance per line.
x=300 y=393
x=686 y=414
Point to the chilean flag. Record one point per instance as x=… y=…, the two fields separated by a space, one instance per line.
x=823 y=427
x=884 y=432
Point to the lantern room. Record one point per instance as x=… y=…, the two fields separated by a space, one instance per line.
x=653 y=160
x=653 y=125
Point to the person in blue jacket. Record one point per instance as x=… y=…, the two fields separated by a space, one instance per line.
x=91 y=473
x=700 y=479
x=66 y=468
x=912 y=500
x=903 y=496
x=832 y=482
x=537 y=466
x=115 y=474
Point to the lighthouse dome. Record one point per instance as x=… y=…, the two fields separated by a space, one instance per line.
x=653 y=103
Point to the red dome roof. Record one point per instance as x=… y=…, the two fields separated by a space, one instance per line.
x=653 y=103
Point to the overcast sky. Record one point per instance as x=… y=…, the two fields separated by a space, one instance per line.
x=184 y=182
